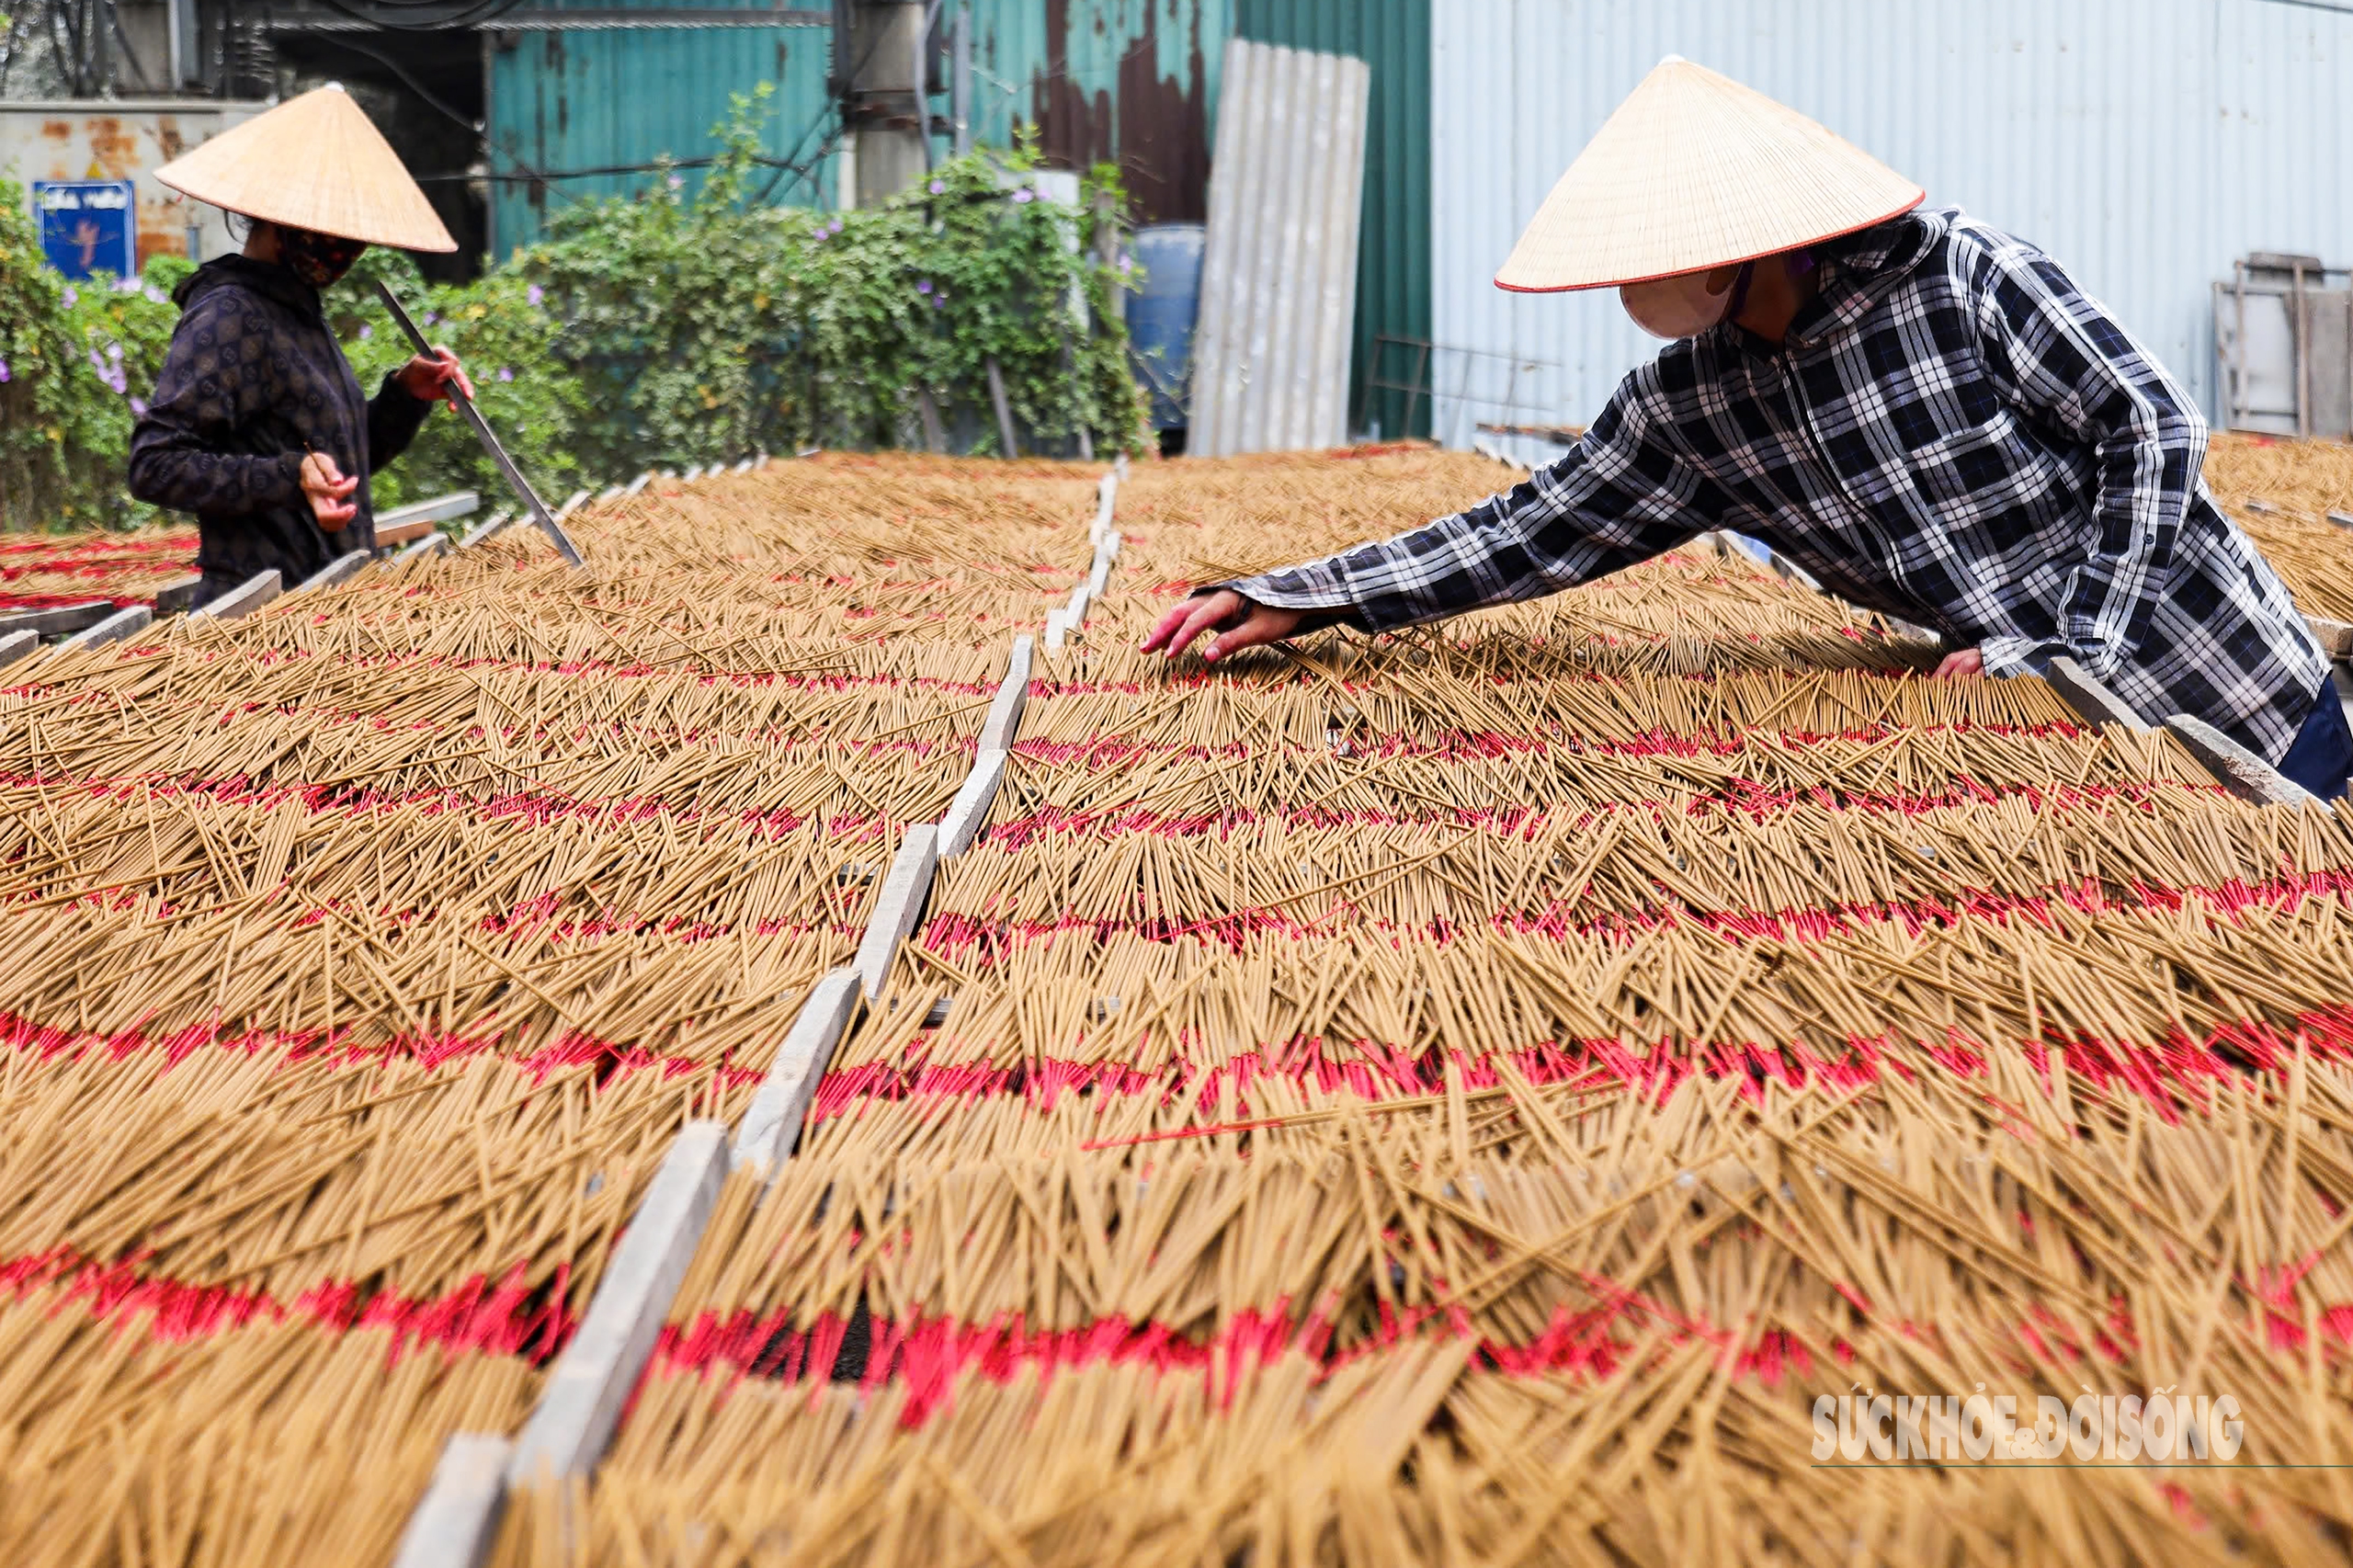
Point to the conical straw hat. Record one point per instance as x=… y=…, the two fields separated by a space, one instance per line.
x=315 y=163
x=1695 y=171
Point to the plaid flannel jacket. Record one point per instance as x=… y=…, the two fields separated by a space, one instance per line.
x=1954 y=434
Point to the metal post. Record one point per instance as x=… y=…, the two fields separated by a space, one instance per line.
x=885 y=108
x=959 y=81
x=2302 y=348
x=2238 y=347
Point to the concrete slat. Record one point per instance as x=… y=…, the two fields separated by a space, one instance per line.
x=772 y=1121
x=457 y=1519
x=898 y=907
x=2237 y=769
x=582 y=1402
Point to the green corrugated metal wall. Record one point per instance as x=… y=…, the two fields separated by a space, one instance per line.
x=1131 y=80
x=593 y=99
x=1127 y=81
x=1394 y=257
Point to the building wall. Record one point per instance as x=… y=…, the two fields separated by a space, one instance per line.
x=125 y=138
x=1131 y=81
x=1101 y=81
x=584 y=99
x=2144 y=144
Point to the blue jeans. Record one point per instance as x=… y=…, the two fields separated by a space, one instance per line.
x=2322 y=753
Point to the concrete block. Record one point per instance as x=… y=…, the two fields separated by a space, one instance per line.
x=898 y=907
x=495 y=523
x=2342 y=520
x=1057 y=628
x=457 y=1519
x=572 y=503
x=2090 y=699
x=772 y=1121
x=432 y=544
x=640 y=482
x=970 y=808
x=611 y=494
x=244 y=599
x=582 y=1400
x=2237 y=769
x=58 y=621
x=691 y=474
x=14 y=645
x=175 y=596
x=440 y=509
x=1107 y=495
x=1005 y=714
x=340 y=570
x=128 y=621
x=2336 y=637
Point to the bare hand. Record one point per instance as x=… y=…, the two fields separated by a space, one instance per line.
x=328 y=492
x=1967 y=662
x=1238 y=622
x=427 y=378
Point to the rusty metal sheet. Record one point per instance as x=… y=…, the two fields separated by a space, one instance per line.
x=124 y=138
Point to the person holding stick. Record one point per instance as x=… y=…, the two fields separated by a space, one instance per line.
x=1924 y=413
x=258 y=425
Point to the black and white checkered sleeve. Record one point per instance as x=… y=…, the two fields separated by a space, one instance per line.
x=1621 y=495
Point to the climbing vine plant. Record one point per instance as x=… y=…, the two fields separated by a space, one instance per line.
x=666 y=328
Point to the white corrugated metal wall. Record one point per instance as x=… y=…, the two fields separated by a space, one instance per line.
x=2146 y=144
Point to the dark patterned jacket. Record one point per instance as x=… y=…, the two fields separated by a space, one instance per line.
x=253 y=375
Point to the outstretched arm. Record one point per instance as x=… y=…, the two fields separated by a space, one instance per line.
x=1620 y=495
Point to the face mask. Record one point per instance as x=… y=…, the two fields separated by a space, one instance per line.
x=1681 y=306
x=317 y=259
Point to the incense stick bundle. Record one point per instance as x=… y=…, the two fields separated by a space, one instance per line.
x=42 y=570
x=1572 y=1038
x=123 y=1446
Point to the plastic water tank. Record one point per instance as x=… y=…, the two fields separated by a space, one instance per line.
x=1161 y=317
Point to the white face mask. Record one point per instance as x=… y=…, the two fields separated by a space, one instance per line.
x=1680 y=306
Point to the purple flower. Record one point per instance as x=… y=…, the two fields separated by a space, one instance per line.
x=1024 y=194
x=837 y=228
x=72 y=296
x=939 y=188
x=139 y=407
x=126 y=284
x=3 y=372
x=432 y=320
x=156 y=296
x=114 y=350
x=506 y=373
x=97 y=363
x=924 y=287
x=535 y=293
x=676 y=181
x=366 y=332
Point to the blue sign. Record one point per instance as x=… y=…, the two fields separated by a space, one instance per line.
x=88 y=226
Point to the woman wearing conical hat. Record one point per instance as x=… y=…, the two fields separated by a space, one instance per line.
x=258 y=425
x=1927 y=414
